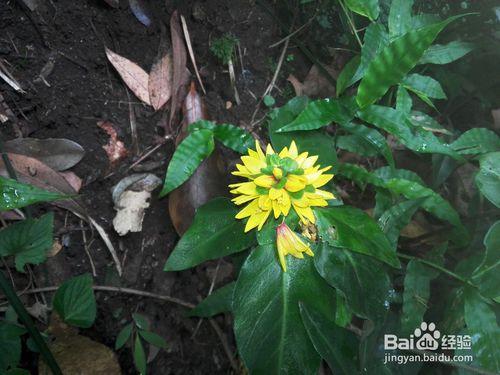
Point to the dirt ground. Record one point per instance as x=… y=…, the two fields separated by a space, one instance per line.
x=83 y=89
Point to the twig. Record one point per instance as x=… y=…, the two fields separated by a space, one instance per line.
x=148 y=153
x=232 y=78
x=212 y=284
x=133 y=125
x=293 y=33
x=7 y=77
x=108 y=244
x=86 y=247
x=351 y=23
x=224 y=343
x=191 y=53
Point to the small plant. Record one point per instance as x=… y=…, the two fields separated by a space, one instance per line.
x=223 y=48
x=136 y=332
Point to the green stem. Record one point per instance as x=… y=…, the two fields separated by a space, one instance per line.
x=28 y=323
x=439 y=268
x=351 y=23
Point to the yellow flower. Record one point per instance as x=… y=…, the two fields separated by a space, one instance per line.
x=289 y=243
x=277 y=183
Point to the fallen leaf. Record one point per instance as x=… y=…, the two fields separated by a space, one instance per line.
x=57 y=153
x=298 y=87
x=76 y=354
x=179 y=61
x=11 y=215
x=132 y=74
x=6 y=113
x=206 y=183
x=131 y=196
x=140 y=11
x=56 y=248
x=317 y=85
x=73 y=180
x=160 y=78
x=32 y=4
x=115 y=149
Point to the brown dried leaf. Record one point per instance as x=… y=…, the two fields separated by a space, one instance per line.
x=160 y=81
x=179 y=61
x=298 y=87
x=317 y=85
x=57 y=153
x=73 y=180
x=115 y=149
x=132 y=74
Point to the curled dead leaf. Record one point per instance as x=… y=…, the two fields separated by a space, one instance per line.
x=115 y=149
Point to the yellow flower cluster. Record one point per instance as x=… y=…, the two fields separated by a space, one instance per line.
x=278 y=182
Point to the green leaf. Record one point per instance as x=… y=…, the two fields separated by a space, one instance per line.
x=488 y=177
x=74 y=301
x=140 y=321
x=139 y=356
x=400 y=19
x=374 y=41
x=404 y=102
x=487 y=275
x=347 y=74
x=357 y=145
x=268 y=327
x=357 y=231
x=17 y=195
x=214 y=233
x=372 y=137
x=483 y=327
x=229 y=135
x=398 y=124
x=397 y=59
x=317 y=114
x=416 y=295
x=446 y=53
x=123 y=336
x=153 y=339
x=187 y=157
x=426 y=122
x=386 y=174
x=397 y=217
x=269 y=101
x=314 y=142
x=337 y=346
x=218 y=302
x=10 y=345
x=28 y=240
x=367 y=8
x=343 y=315
x=362 y=280
x=424 y=85
x=477 y=141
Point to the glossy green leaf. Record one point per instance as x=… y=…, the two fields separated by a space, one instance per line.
x=363 y=281
x=214 y=233
x=374 y=41
x=397 y=217
x=10 y=345
x=123 y=336
x=487 y=274
x=387 y=173
x=400 y=17
x=367 y=8
x=317 y=114
x=483 y=327
x=315 y=142
x=17 y=195
x=357 y=231
x=343 y=314
x=187 y=157
x=416 y=295
x=28 y=240
x=404 y=103
x=75 y=303
x=356 y=144
x=268 y=327
x=140 y=321
x=337 y=346
x=373 y=138
x=396 y=60
x=446 y=53
x=218 y=302
x=347 y=74
x=477 y=141
x=153 y=339
x=426 y=122
x=424 y=85
x=488 y=177
x=139 y=356
x=399 y=124
x=229 y=135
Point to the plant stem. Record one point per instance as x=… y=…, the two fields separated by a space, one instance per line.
x=439 y=268
x=28 y=323
x=351 y=22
